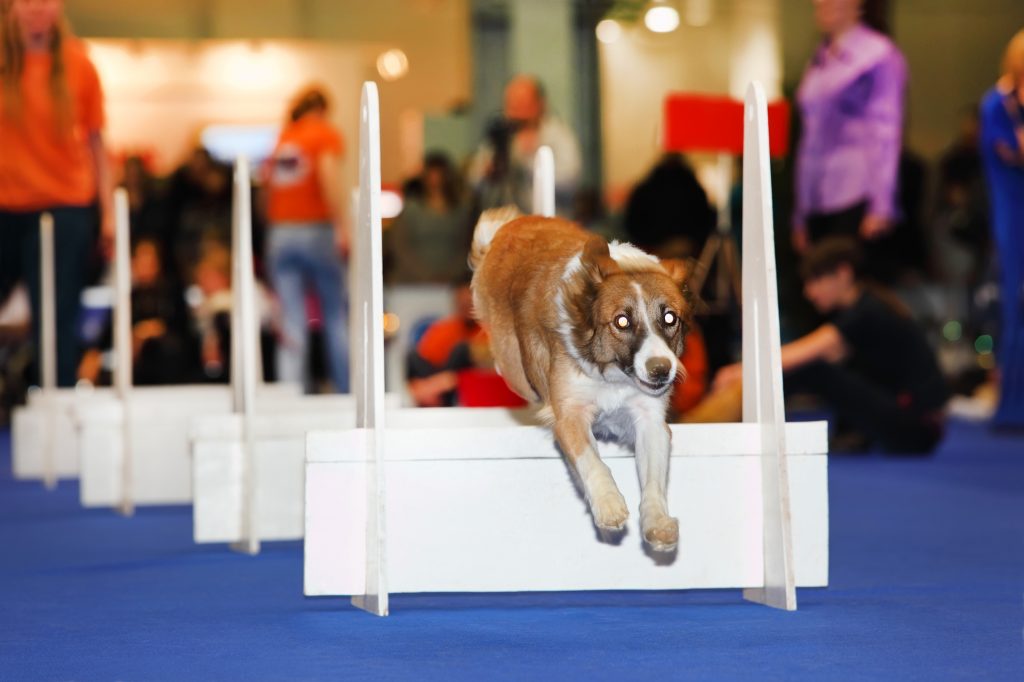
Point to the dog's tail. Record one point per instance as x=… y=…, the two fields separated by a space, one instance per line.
x=491 y=220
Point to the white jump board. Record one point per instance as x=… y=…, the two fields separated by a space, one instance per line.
x=280 y=455
x=495 y=510
x=160 y=418
x=48 y=417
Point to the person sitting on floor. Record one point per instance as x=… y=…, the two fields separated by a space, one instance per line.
x=161 y=347
x=869 y=362
x=448 y=345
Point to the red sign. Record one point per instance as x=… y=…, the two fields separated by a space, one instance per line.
x=714 y=123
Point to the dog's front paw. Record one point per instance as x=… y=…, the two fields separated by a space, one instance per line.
x=610 y=511
x=662 y=534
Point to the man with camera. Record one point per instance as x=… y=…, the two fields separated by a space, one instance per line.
x=502 y=169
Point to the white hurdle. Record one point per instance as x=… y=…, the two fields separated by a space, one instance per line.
x=480 y=508
x=135 y=451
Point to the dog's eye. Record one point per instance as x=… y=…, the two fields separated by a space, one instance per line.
x=669 y=318
x=622 y=322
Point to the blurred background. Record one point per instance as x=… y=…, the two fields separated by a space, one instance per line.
x=191 y=84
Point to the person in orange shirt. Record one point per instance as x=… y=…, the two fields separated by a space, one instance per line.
x=308 y=238
x=447 y=346
x=52 y=159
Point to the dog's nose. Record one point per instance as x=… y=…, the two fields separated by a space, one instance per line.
x=658 y=369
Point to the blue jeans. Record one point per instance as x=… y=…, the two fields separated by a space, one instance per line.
x=301 y=255
x=74 y=237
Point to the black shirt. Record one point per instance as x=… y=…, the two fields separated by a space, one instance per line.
x=891 y=351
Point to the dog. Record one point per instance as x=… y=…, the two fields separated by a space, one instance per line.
x=593 y=331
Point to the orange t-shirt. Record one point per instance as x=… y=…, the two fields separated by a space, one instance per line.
x=42 y=166
x=443 y=336
x=293 y=177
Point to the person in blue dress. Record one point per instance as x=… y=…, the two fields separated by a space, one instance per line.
x=1002 y=148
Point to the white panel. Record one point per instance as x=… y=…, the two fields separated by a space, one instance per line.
x=217 y=471
x=160 y=423
x=453 y=439
x=518 y=524
x=36 y=427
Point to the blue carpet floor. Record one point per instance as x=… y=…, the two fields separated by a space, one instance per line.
x=927 y=583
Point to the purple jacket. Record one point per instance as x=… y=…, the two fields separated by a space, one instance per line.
x=851 y=106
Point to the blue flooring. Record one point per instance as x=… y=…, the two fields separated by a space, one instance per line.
x=927 y=583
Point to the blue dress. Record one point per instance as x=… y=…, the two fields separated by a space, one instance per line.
x=1006 y=191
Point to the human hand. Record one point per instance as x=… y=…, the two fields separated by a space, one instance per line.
x=874 y=226
x=799 y=238
x=526 y=142
x=211 y=352
x=342 y=239
x=728 y=376
x=144 y=331
x=90 y=366
x=107 y=231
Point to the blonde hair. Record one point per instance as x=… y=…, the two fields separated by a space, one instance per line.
x=214 y=256
x=12 y=64
x=1013 y=60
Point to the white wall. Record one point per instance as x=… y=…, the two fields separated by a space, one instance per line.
x=161 y=93
x=638 y=71
x=433 y=33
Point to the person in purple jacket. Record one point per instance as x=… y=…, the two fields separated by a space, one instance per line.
x=851 y=106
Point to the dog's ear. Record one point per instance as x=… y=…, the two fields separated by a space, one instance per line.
x=677 y=269
x=597 y=259
x=687 y=274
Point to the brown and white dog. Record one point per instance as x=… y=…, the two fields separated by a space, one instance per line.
x=593 y=332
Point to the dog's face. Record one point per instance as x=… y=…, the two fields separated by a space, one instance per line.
x=630 y=324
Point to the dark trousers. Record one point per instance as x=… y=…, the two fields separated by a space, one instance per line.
x=874 y=411
x=74 y=236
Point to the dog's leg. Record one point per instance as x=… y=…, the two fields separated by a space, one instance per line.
x=653 y=445
x=573 y=431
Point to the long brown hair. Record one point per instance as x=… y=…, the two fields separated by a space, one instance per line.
x=12 y=64
x=1013 y=60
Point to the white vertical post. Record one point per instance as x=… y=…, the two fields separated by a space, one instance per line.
x=123 y=343
x=544 y=182
x=368 y=344
x=235 y=368
x=47 y=357
x=244 y=337
x=762 y=357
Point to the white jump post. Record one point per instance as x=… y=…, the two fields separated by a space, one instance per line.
x=123 y=344
x=762 y=362
x=368 y=343
x=48 y=340
x=544 y=182
x=481 y=509
x=244 y=354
